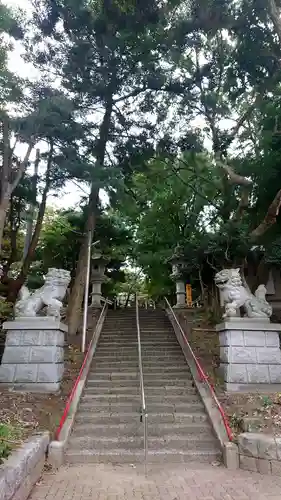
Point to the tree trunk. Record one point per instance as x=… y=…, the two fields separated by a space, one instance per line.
x=77 y=292
x=269 y=219
x=32 y=207
x=4 y=207
x=15 y=285
x=8 y=178
x=4 y=193
x=13 y=234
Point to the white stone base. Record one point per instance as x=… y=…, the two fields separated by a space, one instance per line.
x=252 y=388
x=250 y=354
x=33 y=358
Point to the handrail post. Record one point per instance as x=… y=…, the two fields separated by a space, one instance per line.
x=86 y=293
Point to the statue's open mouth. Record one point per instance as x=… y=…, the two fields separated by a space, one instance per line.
x=221 y=281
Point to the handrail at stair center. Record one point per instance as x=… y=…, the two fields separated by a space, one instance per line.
x=203 y=377
x=72 y=394
x=143 y=402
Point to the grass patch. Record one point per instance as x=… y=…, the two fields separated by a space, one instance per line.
x=9 y=437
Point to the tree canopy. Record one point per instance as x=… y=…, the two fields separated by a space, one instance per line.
x=172 y=108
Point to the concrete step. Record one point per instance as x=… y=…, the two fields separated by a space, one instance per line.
x=157 y=331
x=143 y=317
x=129 y=382
x=120 y=342
x=144 y=324
x=108 y=373
x=121 y=456
x=134 y=406
x=167 y=376
x=132 y=351
x=166 y=344
x=112 y=344
x=136 y=429
x=189 y=442
x=112 y=327
x=154 y=355
x=161 y=344
x=131 y=328
x=108 y=418
x=150 y=399
x=123 y=378
x=108 y=426
x=105 y=360
x=149 y=390
x=169 y=360
x=132 y=336
x=147 y=368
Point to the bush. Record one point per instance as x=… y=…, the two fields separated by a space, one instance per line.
x=8 y=435
x=6 y=310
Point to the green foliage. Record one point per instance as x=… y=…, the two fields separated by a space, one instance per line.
x=266 y=401
x=119 y=61
x=5 y=447
x=60 y=241
x=6 y=310
x=169 y=199
x=8 y=435
x=10 y=26
x=273 y=252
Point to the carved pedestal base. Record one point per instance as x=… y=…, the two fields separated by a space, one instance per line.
x=181 y=295
x=250 y=355
x=97 y=294
x=33 y=358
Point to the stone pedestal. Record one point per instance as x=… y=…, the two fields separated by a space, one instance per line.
x=273 y=288
x=181 y=295
x=33 y=358
x=98 y=278
x=96 y=293
x=250 y=355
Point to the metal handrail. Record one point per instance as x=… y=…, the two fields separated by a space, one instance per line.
x=143 y=402
x=202 y=375
x=73 y=391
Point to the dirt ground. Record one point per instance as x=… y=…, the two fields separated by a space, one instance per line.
x=253 y=412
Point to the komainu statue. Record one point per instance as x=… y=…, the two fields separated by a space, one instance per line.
x=235 y=296
x=50 y=295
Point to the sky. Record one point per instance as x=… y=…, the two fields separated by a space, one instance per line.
x=71 y=195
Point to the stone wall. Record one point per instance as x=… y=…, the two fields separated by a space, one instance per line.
x=33 y=359
x=23 y=468
x=260 y=453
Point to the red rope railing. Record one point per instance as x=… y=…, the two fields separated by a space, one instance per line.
x=203 y=377
x=71 y=396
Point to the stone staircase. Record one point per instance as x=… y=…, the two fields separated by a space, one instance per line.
x=107 y=426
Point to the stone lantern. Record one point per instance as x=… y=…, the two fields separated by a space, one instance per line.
x=97 y=278
x=178 y=264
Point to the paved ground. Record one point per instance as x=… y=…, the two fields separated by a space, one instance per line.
x=168 y=482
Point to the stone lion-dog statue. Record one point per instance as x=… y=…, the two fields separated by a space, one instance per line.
x=235 y=295
x=50 y=295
